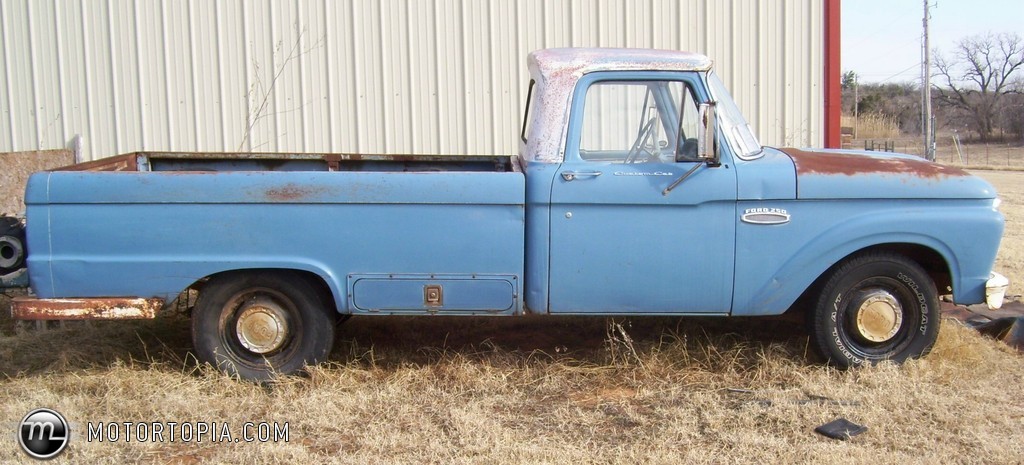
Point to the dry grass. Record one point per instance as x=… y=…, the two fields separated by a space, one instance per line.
x=873 y=126
x=537 y=390
x=531 y=391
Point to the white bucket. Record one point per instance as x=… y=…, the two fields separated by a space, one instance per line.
x=995 y=290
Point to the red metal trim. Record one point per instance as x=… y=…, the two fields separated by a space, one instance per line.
x=833 y=91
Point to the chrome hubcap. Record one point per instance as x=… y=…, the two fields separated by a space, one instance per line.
x=261 y=326
x=879 y=316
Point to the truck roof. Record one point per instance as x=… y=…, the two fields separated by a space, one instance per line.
x=554 y=73
x=585 y=60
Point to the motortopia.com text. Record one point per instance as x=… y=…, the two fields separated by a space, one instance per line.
x=192 y=432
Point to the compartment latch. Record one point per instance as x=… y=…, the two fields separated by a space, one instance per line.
x=433 y=295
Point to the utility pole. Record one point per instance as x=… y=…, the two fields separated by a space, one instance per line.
x=926 y=92
x=856 y=104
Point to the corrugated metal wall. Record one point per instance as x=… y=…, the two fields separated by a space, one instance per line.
x=428 y=76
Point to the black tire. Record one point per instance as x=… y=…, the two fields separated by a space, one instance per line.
x=288 y=323
x=12 y=245
x=875 y=307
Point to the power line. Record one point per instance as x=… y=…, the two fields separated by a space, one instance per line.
x=911 y=67
x=886 y=26
x=890 y=50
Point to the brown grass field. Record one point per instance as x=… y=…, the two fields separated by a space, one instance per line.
x=536 y=390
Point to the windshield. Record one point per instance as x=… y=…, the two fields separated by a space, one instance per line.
x=736 y=129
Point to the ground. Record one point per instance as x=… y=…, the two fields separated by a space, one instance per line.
x=537 y=390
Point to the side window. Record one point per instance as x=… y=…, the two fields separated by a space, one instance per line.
x=689 y=123
x=639 y=122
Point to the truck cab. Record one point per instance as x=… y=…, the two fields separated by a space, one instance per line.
x=620 y=241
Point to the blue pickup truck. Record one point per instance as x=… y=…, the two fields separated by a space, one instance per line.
x=638 y=189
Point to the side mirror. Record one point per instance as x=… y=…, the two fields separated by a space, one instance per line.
x=707 y=148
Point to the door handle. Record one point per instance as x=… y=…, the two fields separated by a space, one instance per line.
x=570 y=175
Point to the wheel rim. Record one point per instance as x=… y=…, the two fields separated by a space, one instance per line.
x=877 y=318
x=262 y=325
x=878 y=315
x=11 y=252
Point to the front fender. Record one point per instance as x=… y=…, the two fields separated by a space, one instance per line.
x=776 y=264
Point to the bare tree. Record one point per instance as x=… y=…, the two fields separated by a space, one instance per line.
x=978 y=76
x=1013 y=115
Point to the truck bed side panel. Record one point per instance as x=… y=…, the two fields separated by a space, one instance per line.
x=154 y=234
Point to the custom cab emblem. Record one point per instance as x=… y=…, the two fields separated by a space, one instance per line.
x=765 y=216
x=630 y=173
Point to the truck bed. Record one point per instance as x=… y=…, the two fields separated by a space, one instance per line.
x=376 y=228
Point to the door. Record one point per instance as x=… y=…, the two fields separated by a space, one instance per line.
x=619 y=244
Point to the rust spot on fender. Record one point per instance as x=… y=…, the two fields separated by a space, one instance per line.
x=103 y=308
x=828 y=163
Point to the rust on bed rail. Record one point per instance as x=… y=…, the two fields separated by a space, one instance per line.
x=141 y=161
x=124 y=162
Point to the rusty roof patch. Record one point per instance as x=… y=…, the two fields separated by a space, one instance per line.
x=556 y=71
x=585 y=60
x=852 y=164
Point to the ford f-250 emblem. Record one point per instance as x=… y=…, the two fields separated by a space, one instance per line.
x=765 y=216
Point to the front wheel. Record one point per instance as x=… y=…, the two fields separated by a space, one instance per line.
x=875 y=307
x=260 y=324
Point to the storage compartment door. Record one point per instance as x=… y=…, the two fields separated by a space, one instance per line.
x=433 y=293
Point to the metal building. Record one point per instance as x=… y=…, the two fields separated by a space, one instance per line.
x=400 y=76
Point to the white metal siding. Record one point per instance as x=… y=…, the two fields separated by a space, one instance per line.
x=400 y=76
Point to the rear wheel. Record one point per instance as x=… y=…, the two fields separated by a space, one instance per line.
x=255 y=325
x=875 y=307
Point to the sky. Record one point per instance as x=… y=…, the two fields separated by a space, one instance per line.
x=881 y=39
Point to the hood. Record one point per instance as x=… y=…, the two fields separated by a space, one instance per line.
x=831 y=174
